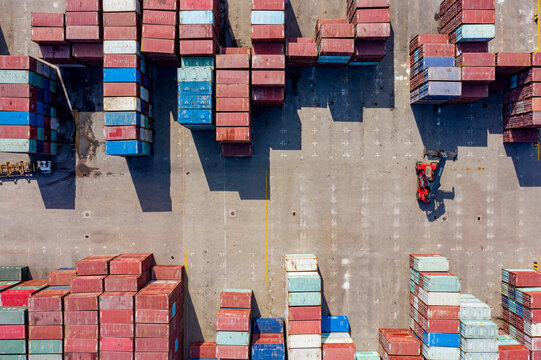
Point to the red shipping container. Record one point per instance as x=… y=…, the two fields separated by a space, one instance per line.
x=155 y=355
x=151 y=316
x=197 y=47
x=421 y=39
x=117 y=330
x=267 y=338
x=236 y=150
x=536 y=355
x=232 y=77
x=476 y=59
x=373 y=32
x=123 y=282
x=16 y=297
x=159 y=330
x=83 y=33
x=197 y=31
x=234 y=90
x=339 y=351
x=18 y=132
x=304 y=313
x=61 y=277
x=520 y=136
x=240 y=61
x=527 y=120
x=304 y=327
x=47 y=19
x=478 y=74
x=232 y=104
x=47 y=300
x=94 y=265
x=333 y=30
x=116 y=344
x=266 y=96
x=17 y=62
x=121 y=19
x=369 y=3
x=168 y=299
x=116 y=317
x=268 y=62
x=157 y=17
x=87 y=284
x=12 y=332
x=131 y=264
x=371 y=16
x=369 y=51
x=116 y=132
x=160 y=4
x=48 y=35
x=267 y=49
x=121 y=61
x=268 y=5
x=399 y=342
x=233 y=119
x=233 y=320
x=440 y=326
x=168 y=272
x=435 y=311
x=159 y=31
x=83 y=5
x=83 y=18
x=80 y=346
x=203 y=350
x=81 y=318
x=269 y=78
x=199 y=5
x=234 y=134
x=513 y=59
x=472 y=48
x=17 y=104
x=18 y=90
x=154 y=344
x=55 y=332
x=82 y=331
x=117 y=301
x=513 y=352
x=268 y=33
x=121 y=33
x=232 y=352
x=467 y=4
x=536 y=59
x=80 y=356
x=336 y=47
x=81 y=302
x=532 y=299
x=524 y=278
x=159 y=46
x=116 y=355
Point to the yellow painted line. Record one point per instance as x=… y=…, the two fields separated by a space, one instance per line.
x=538 y=26
x=266 y=228
x=183 y=190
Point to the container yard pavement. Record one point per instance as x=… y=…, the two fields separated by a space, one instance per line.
x=332 y=174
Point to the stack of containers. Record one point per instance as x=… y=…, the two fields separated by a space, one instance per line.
x=303 y=314
x=84 y=31
x=521 y=300
x=198 y=27
x=81 y=308
x=478 y=334
x=46 y=330
x=301 y=52
x=399 y=344
x=13 y=322
x=159 y=37
x=159 y=315
x=510 y=349
x=233 y=324
x=477 y=70
x=268 y=59
x=203 y=350
x=195 y=81
x=18 y=295
x=268 y=339
x=49 y=32
x=28 y=117
x=434 y=78
x=336 y=340
x=233 y=115
x=468 y=20
x=367 y=355
x=335 y=40
x=127 y=85
x=523 y=97
x=372 y=29
x=431 y=285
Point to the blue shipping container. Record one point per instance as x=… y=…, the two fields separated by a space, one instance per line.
x=264 y=17
x=127 y=148
x=198 y=102
x=441 y=339
x=333 y=59
x=269 y=325
x=334 y=324
x=195 y=117
x=197 y=17
x=122 y=75
x=277 y=352
x=195 y=87
x=435 y=61
x=19 y=118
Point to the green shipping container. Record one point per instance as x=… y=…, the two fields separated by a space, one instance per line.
x=13 y=273
x=305 y=282
x=45 y=357
x=45 y=346
x=13 y=357
x=13 y=315
x=12 y=347
x=304 y=299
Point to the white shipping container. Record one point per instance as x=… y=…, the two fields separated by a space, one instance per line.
x=301 y=262
x=439 y=298
x=122 y=6
x=121 y=104
x=336 y=338
x=304 y=341
x=532 y=329
x=304 y=354
x=121 y=47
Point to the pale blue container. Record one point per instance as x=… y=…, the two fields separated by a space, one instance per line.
x=478 y=356
x=440 y=353
x=441 y=283
x=433 y=263
x=18 y=145
x=197 y=17
x=237 y=338
x=479 y=345
x=367 y=355
x=475 y=33
x=265 y=17
x=304 y=283
x=45 y=357
x=195 y=74
x=477 y=329
x=45 y=346
x=304 y=299
x=21 y=77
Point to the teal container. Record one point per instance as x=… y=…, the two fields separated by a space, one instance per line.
x=414 y=276
x=13 y=315
x=412 y=286
x=187 y=62
x=14 y=273
x=12 y=347
x=45 y=357
x=53 y=112
x=45 y=346
x=304 y=299
x=13 y=357
x=237 y=338
x=367 y=355
x=431 y=263
x=441 y=283
x=195 y=74
x=27 y=288
x=308 y=282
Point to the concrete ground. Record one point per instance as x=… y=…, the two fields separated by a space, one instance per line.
x=332 y=174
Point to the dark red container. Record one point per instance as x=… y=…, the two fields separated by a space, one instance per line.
x=233 y=61
x=47 y=19
x=159 y=31
x=233 y=119
x=82 y=331
x=232 y=352
x=368 y=3
x=81 y=317
x=427 y=39
x=131 y=264
x=117 y=330
x=12 y=332
x=125 y=282
x=17 y=104
x=236 y=150
x=80 y=356
x=167 y=272
x=265 y=48
x=81 y=302
x=371 y=16
x=268 y=5
x=268 y=62
x=267 y=96
x=116 y=317
x=233 y=90
x=336 y=47
x=203 y=350
x=18 y=132
x=121 y=19
x=472 y=48
x=121 y=33
x=233 y=320
x=157 y=17
x=304 y=327
x=232 y=104
x=88 y=52
x=160 y=5
x=61 y=277
x=83 y=33
x=83 y=5
x=116 y=344
x=55 y=332
x=94 y=265
x=80 y=346
x=56 y=54
x=87 y=284
x=476 y=59
x=270 y=78
x=17 y=62
x=197 y=47
x=369 y=51
x=159 y=46
x=83 y=18
x=48 y=35
x=268 y=33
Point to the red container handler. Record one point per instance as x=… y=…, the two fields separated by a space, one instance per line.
x=167 y=272
x=171 y=5
x=233 y=90
x=121 y=19
x=231 y=77
x=304 y=327
x=121 y=33
x=233 y=119
x=268 y=33
x=73 y=345
x=82 y=302
x=94 y=265
x=238 y=61
x=83 y=18
x=371 y=16
x=87 y=284
x=131 y=264
x=278 y=5
x=236 y=150
x=399 y=342
x=267 y=96
x=83 y=5
x=268 y=62
x=197 y=47
x=48 y=35
x=233 y=320
x=47 y=19
x=232 y=104
x=159 y=17
x=344 y=351
x=83 y=33
x=82 y=331
x=12 y=332
x=18 y=132
x=81 y=318
x=55 y=332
